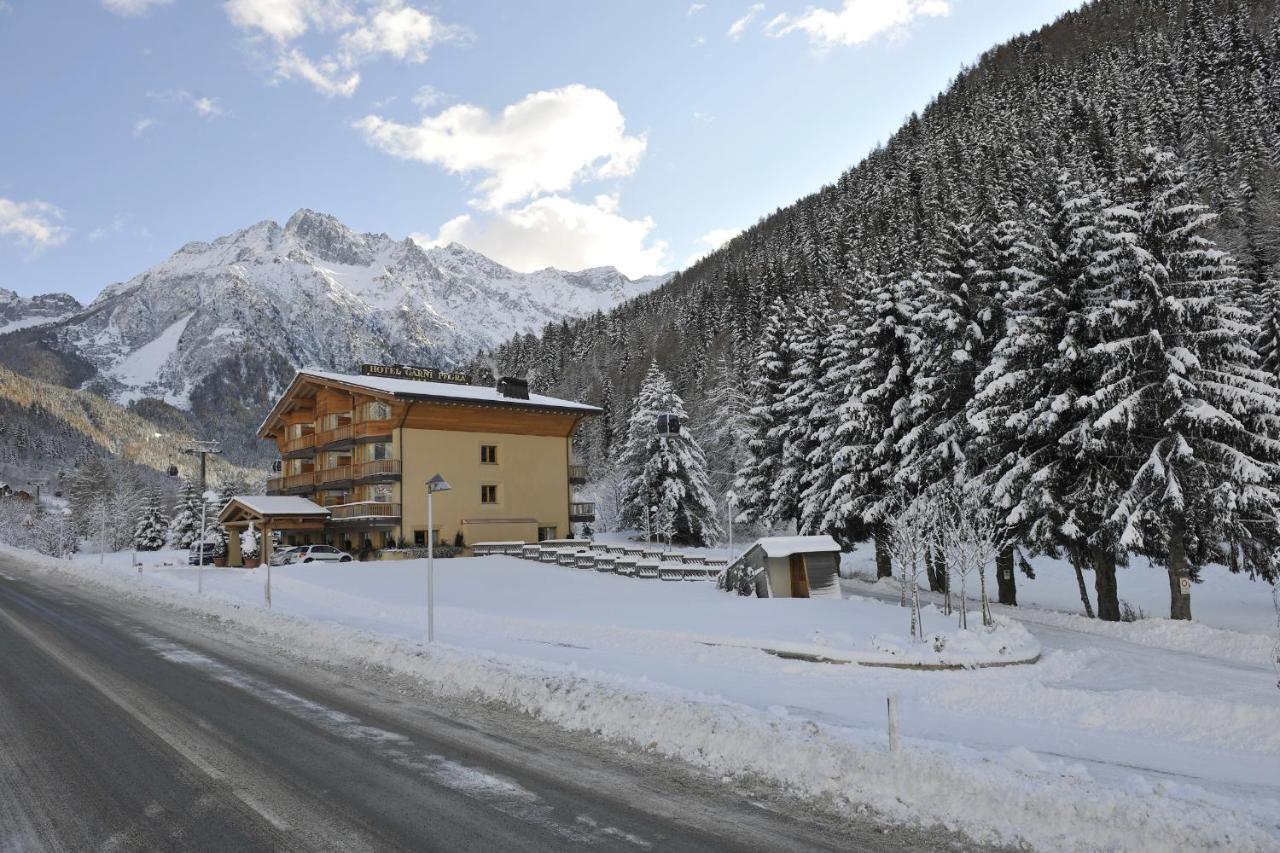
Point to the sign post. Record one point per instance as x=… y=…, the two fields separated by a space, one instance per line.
x=435 y=484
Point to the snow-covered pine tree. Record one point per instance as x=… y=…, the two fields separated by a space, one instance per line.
x=772 y=377
x=961 y=318
x=727 y=419
x=666 y=471
x=149 y=535
x=1036 y=460
x=1267 y=319
x=801 y=412
x=1181 y=404
x=90 y=489
x=873 y=420
x=184 y=528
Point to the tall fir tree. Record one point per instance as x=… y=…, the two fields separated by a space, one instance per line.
x=665 y=479
x=184 y=528
x=1180 y=402
x=152 y=527
x=755 y=486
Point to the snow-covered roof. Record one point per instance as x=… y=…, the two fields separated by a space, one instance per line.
x=415 y=389
x=785 y=546
x=279 y=505
x=446 y=390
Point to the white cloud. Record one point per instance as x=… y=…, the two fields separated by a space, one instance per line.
x=695 y=8
x=397 y=30
x=365 y=31
x=327 y=77
x=856 y=21
x=428 y=96
x=554 y=231
x=32 y=223
x=142 y=125
x=285 y=20
x=202 y=105
x=130 y=8
x=738 y=27
x=6 y=6
x=545 y=143
x=712 y=240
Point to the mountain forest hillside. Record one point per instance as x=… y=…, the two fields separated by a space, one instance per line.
x=1058 y=281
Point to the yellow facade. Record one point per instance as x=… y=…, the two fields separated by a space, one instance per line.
x=364 y=450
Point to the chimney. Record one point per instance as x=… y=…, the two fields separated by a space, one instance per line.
x=516 y=389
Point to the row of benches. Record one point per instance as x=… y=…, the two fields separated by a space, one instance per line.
x=625 y=560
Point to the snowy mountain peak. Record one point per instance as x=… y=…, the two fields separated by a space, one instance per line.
x=327 y=239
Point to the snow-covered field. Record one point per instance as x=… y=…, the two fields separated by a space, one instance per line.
x=1147 y=736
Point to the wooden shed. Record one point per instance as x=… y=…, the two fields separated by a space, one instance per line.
x=787 y=567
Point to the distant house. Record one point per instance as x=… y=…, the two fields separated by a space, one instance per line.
x=5 y=491
x=19 y=495
x=787 y=567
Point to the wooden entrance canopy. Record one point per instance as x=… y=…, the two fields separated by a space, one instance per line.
x=267 y=513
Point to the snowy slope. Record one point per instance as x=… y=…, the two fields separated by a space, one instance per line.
x=240 y=312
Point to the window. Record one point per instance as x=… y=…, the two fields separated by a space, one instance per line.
x=375 y=411
x=488 y=454
x=545 y=533
x=488 y=494
x=420 y=538
x=379 y=492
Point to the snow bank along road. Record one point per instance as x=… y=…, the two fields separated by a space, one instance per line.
x=128 y=727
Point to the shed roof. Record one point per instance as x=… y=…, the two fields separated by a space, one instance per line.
x=267 y=505
x=785 y=546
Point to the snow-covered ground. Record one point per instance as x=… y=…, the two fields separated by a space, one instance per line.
x=1119 y=738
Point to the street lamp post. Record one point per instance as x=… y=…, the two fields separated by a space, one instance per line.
x=731 y=502
x=202 y=449
x=435 y=484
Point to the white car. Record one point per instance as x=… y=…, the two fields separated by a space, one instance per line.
x=284 y=556
x=318 y=553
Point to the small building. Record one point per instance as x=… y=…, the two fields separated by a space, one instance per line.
x=363 y=447
x=787 y=567
x=290 y=516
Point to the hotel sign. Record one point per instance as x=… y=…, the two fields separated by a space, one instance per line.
x=408 y=371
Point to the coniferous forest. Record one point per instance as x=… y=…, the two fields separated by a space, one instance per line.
x=1057 y=287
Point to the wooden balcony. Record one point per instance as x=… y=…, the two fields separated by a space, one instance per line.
x=371 y=430
x=577 y=474
x=291 y=484
x=582 y=512
x=303 y=445
x=327 y=478
x=365 y=511
x=335 y=437
x=377 y=471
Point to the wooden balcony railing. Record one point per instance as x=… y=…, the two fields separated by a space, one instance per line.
x=364 y=509
x=329 y=436
x=364 y=429
x=290 y=482
x=302 y=442
x=578 y=474
x=377 y=468
x=332 y=475
x=582 y=511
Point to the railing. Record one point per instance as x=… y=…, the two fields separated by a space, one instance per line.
x=329 y=436
x=577 y=474
x=364 y=509
x=364 y=429
x=291 y=481
x=302 y=442
x=333 y=475
x=580 y=511
x=377 y=468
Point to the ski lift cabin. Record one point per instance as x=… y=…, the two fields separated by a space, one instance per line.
x=787 y=567
x=668 y=424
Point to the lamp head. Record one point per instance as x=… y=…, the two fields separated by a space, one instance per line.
x=438 y=484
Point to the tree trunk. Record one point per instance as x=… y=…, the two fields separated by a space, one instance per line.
x=1179 y=576
x=1104 y=583
x=931 y=570
x=1084 y=590
x=884 y=562
x=1006 y=583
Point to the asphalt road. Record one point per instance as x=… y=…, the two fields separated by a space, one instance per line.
x=127 y=727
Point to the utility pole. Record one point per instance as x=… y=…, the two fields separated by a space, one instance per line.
x=201 y=449
x=731 y=502
x=37 y=484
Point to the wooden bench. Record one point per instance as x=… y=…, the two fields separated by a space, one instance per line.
x=633 y=552
x=717 y=562
x=694 y=559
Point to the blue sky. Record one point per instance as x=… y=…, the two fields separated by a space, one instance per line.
x=573 y=134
